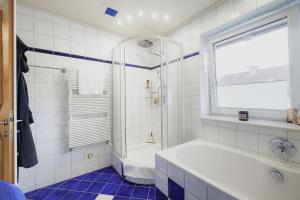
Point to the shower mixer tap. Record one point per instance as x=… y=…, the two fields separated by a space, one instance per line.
x=283 y=148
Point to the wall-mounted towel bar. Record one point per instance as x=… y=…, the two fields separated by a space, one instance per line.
x=63 y=70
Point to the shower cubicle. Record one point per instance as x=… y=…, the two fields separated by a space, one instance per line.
x=147 y=102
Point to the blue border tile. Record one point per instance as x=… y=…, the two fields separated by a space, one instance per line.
x=57 y=53
x=159 y=195
x=175 y=191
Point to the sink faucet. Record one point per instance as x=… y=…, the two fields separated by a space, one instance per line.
x=283 y=148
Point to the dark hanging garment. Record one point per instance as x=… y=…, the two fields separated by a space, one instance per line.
x=27 y=156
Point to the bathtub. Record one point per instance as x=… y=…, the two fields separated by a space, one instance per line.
x=225 y=173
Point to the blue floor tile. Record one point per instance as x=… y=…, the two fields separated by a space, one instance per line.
x=31 y=194
x=72 y=195
x=69 y=184
x=110 y=189
x=81 y=177
x=82 y=186
x=91 y=176
x=116 y=178
x=125 y=182
x=88 y=186
x=88 y=196
x=121 y=198
x=56 y=195
x=151 y=195
x=125 y=190
x=100 y=171
x=140 y=192
x=56 y=185
x=42 y=193
x=96 y=187
x=103 y=178
x=110 y=170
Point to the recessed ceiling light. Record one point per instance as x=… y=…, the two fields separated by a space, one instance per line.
x=129 y=17
x=154 y=15
x=141 y=13
x=119 y=22
x=166 y=17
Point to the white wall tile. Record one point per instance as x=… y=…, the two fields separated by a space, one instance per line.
x=44 y=134
x=227 y=136
x=45 y=149
x=43 y=15
x=27 y=183
x=43 y=41
x=43 y=27
x=62 y=45
x=44 y=179
x=244 y=7
x=264 y=144
x=211 y=133
x=225 y=12
x=247 y=140
x=46 y=164
x=25 y=22
x=77 y=35
x=44 y=90
x=25 y=10
x=61 y=31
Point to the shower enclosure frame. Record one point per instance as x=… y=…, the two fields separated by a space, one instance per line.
x=121 y=108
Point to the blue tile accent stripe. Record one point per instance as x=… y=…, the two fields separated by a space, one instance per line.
x=57 y=53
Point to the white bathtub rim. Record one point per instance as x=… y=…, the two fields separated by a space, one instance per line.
x=171 y=156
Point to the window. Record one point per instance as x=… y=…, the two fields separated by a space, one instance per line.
x=252 y=69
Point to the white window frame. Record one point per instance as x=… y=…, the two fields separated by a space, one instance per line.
x=293 y=24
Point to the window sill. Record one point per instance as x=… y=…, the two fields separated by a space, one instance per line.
x=255 y=122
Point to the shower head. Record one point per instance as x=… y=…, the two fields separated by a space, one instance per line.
x=145 y=43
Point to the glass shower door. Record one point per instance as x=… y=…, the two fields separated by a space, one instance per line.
x=171 y=71
x=118 y=99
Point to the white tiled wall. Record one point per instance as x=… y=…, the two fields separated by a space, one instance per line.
x=142 y=115
x=138 y=106
x=48 y=92
x=196 y=93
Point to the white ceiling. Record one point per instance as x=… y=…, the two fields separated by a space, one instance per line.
x=92 y=12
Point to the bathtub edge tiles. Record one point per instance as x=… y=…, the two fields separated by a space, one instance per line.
x=161 y=164
x=192 y=187
x=176 y=173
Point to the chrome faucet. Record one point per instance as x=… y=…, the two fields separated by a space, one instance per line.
x=283 y=148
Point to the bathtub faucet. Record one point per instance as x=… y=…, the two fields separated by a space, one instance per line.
x=283 y=148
